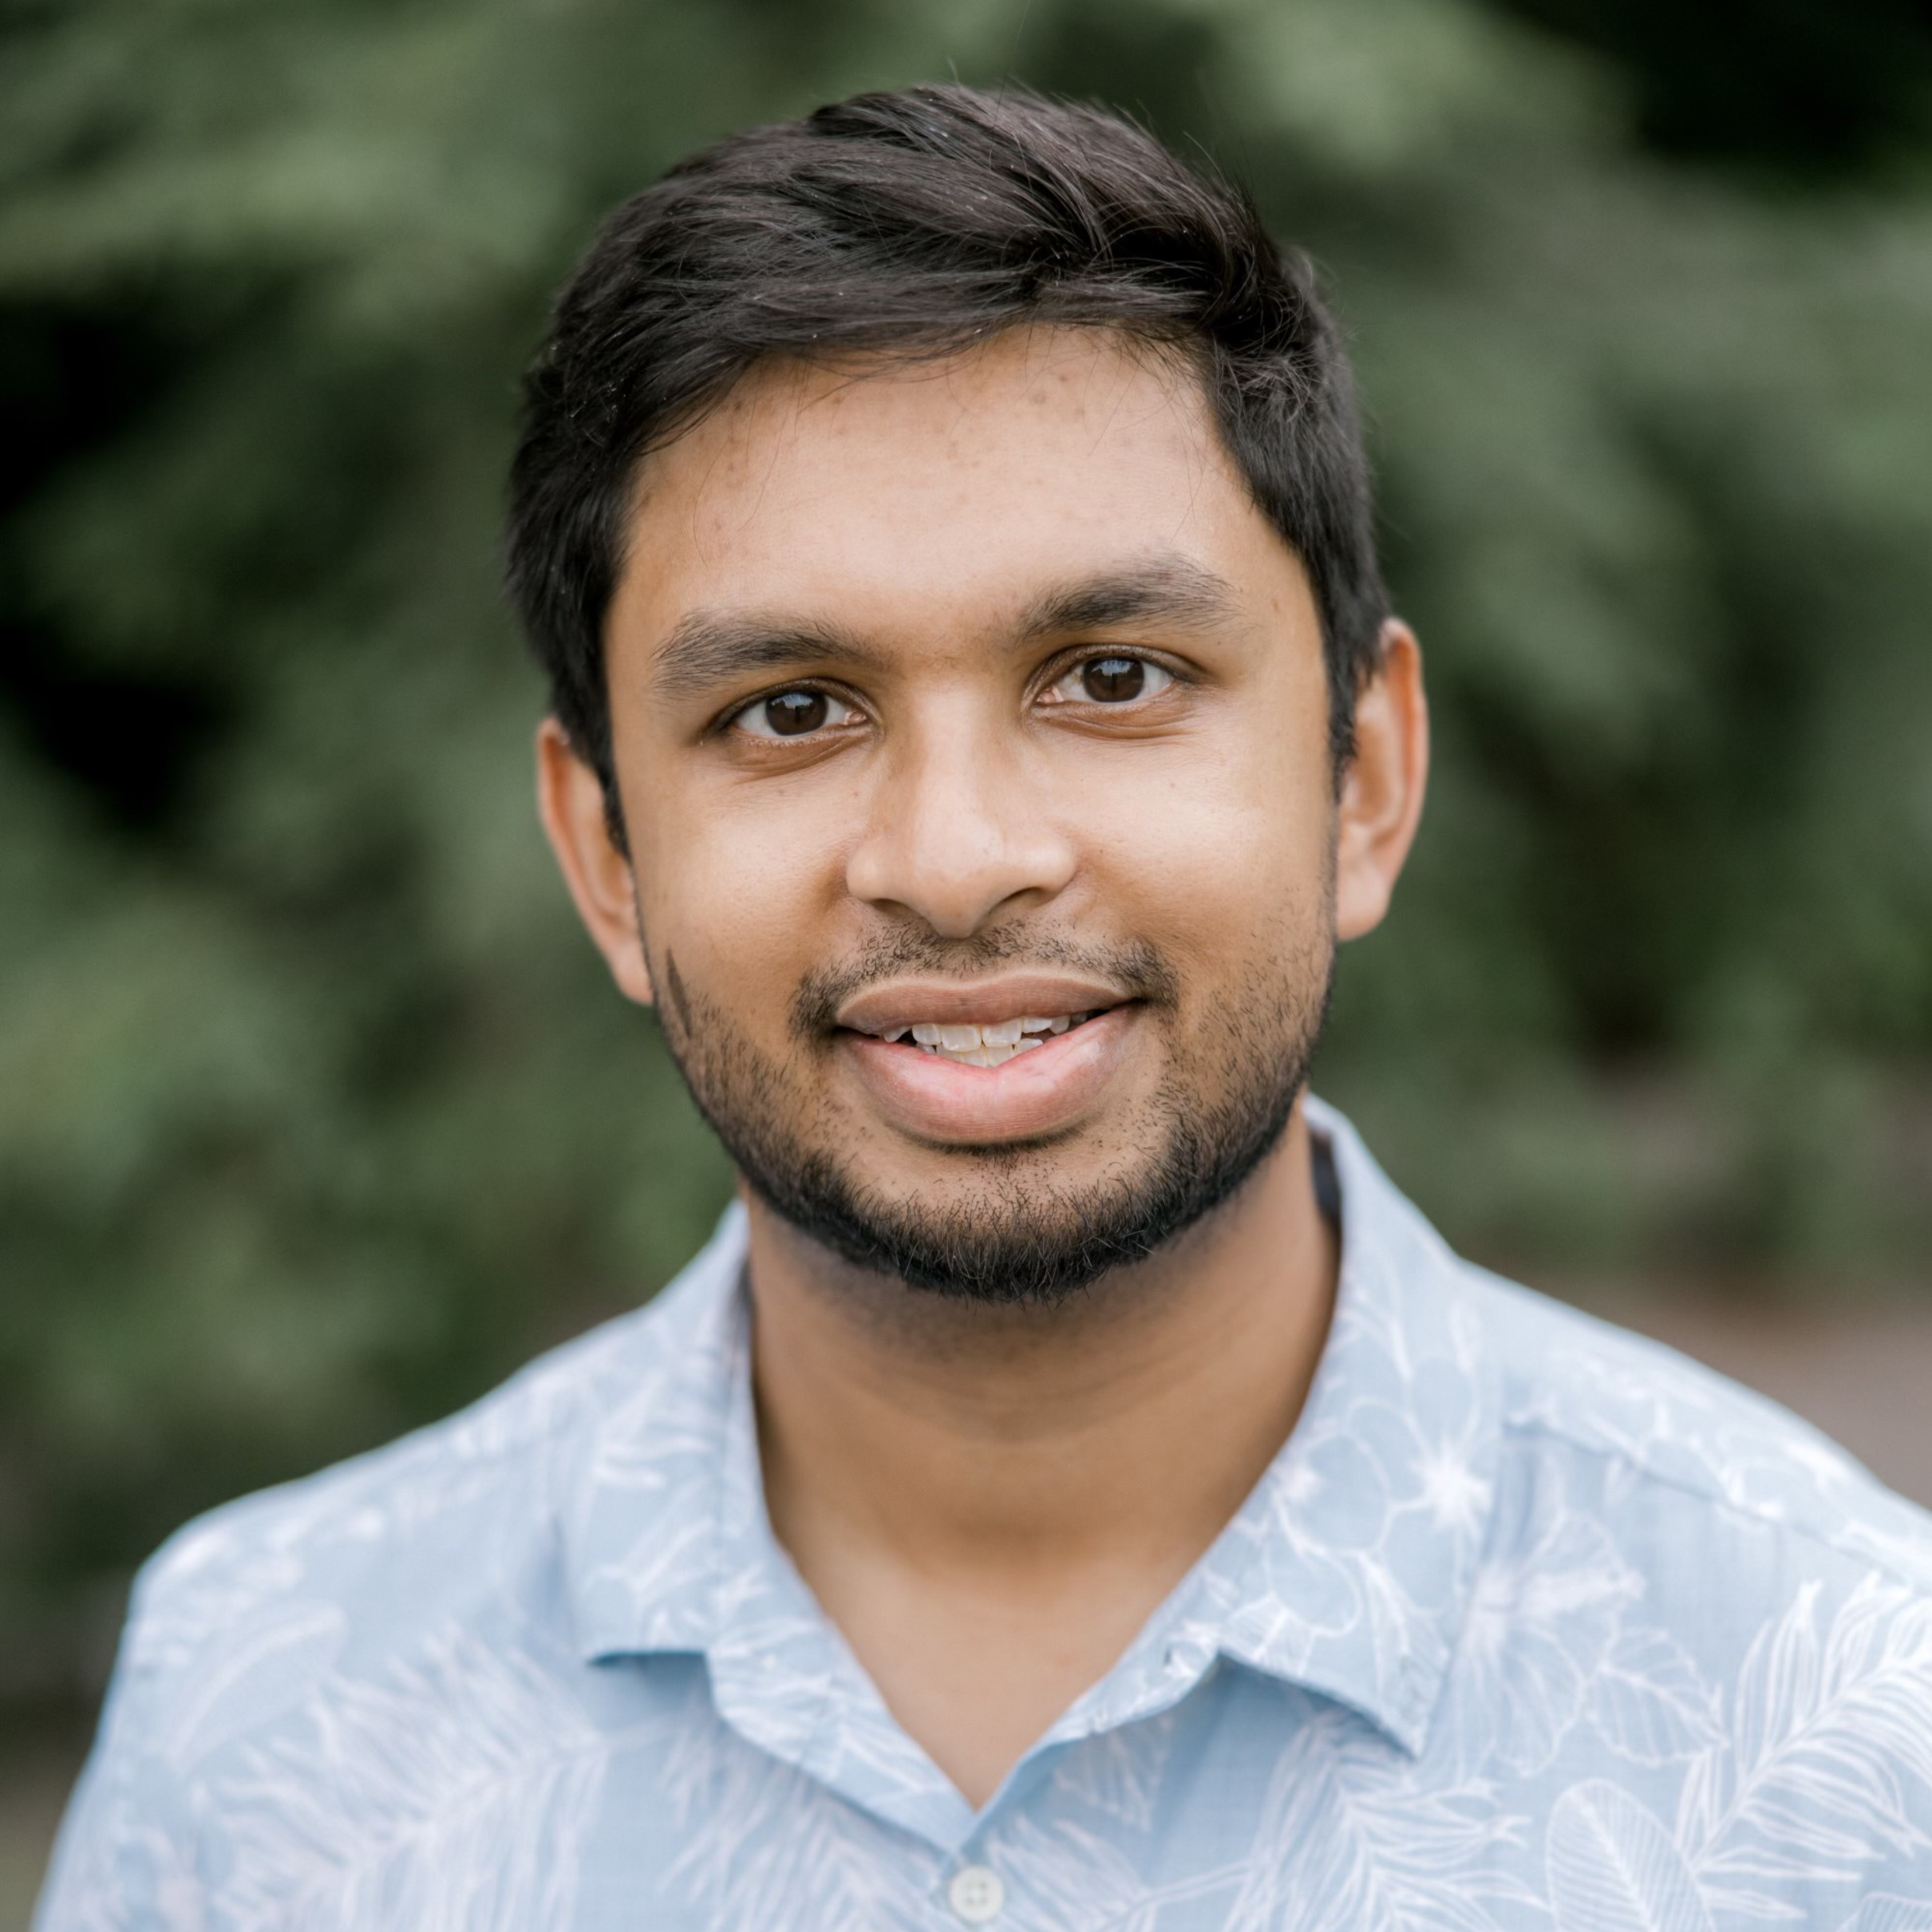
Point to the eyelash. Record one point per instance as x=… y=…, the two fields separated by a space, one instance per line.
x=1168 y=677
x=1152 y=666
x=735 y=721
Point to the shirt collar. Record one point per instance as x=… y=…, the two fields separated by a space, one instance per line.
x=1348 y=1570
x=648 y=1488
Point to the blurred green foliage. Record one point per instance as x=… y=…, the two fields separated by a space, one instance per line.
x=316 y=1114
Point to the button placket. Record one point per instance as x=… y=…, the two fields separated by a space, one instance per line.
x=976 y=1894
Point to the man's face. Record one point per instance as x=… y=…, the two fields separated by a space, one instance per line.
x=976 y=694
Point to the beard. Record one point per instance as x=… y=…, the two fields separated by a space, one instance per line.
x=1016 y=1232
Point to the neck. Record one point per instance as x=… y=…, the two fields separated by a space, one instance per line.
x=1034 y=1451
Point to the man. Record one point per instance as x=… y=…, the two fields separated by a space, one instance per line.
x=1074 y=1489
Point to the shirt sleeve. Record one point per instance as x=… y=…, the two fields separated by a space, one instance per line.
x=121 y=1862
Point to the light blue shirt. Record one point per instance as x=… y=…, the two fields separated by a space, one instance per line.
x=1530 y=1625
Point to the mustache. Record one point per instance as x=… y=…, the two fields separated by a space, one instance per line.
x=1138 y=968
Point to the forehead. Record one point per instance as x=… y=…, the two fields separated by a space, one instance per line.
x=941 y=494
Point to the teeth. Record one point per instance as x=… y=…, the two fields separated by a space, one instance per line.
x=991 y=1044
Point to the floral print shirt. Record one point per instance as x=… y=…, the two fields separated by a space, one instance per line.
x=1530 y=1625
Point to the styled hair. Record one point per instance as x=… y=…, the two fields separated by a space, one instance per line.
x=917 y=224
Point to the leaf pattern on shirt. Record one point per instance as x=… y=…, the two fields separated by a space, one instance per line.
x=1543 y=1625
x=1829 y=1735
x=1614 y=1868
x=1064 y=1874
x=456 y=1793
x=1529 y=1627
x=1118 y=1773
x=1889 y=1912
x=1649 y=1701
x=765 y=1846
x=1349 y=1840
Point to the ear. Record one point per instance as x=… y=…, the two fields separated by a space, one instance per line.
x=570 y=802
x=1381 y=791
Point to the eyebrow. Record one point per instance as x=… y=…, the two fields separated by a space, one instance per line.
x=1172 y=590
x=705 y=648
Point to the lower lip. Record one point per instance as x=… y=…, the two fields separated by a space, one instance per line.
x=1044 y=1091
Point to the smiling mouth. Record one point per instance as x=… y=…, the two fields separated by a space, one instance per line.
x=986 y=1043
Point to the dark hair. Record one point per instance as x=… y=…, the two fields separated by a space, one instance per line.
x=918 y=222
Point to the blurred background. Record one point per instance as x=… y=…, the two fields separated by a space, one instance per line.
x=317 y=1115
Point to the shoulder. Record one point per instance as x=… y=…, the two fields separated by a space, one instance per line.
x=286 y=1654
x=1700 y=1618
x=1671 y=1442
x=455 y=1526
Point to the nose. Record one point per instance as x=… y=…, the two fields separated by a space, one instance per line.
x=958 y=836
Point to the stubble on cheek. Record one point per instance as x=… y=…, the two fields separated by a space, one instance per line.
x=1023 y=1222
x=680 y=1001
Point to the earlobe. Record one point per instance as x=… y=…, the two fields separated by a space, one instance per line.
x=1382 y=791
x=570 y=804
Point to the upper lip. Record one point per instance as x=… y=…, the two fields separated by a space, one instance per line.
x=905 y=1003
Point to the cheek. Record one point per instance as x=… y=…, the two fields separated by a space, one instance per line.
x=740 y=892
x=1234 y=905
x=1224 y=853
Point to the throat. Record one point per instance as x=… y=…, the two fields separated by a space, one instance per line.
x=976 y=1667
x=990 y=1507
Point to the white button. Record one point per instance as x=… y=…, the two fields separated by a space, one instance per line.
x=976 y=1893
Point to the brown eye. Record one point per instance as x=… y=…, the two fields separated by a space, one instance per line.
x=799 y=712
x=791 y=713
x=1113 y=680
